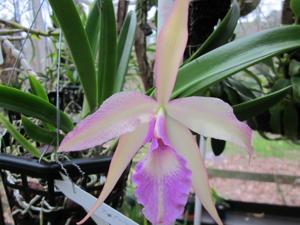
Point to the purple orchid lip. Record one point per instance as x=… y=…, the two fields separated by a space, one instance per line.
x=162 y=188
x=162 y=179
x=173 y=163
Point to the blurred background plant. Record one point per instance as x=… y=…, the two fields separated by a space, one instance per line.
x=87 y=63
x=281 y=121
x=93 y=59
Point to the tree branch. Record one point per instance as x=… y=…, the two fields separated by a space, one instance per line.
x=9 y=31
x=121 y=14
x=25 y=29
x=10 y=49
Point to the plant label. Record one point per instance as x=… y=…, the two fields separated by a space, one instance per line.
x=105 y=215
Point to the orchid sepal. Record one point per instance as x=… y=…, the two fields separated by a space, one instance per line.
x=211 y=117
x=127 y=147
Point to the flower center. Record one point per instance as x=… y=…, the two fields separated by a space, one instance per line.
x=159 y=127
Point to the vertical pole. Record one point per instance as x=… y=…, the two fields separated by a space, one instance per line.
x=57 y=92
x=198 y=206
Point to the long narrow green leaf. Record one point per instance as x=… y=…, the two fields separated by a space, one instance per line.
x=31 y=105
x=37 y=88
x=251 y=108
x=290 y=121
x=295 y=6
x=217 y=146
x=107 y=51
x=233 y=57
x=252 y=75
x=276 y=113
x=222 y=34
x=77 y=40
x=296 y=88
x=92 y=27
x=38 y=133
x=18 y=137
x=125 y=43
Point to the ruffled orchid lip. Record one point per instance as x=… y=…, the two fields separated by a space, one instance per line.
x=162 y=179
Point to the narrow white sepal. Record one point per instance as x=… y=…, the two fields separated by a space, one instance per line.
x=105 y=215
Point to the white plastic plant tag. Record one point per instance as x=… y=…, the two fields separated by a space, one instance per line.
x=1 y=56
x=105 y=215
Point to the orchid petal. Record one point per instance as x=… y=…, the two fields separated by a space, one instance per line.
x=163 y=183
x=184 y=143
x=128 y=145
x=163 y=12
x=173 y=35
x=119 y=114
x=211 y=117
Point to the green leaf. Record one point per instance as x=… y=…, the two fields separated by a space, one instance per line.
x=222 y=34
x=85 y=109
x=232 y=95
x=38 y=133
x=296 y=88
x=280 y=83
x=218 y=146
x=244 y=92
x=18 y=137
x=92 y=27
x=76 y=37
x=295 y=6
x=37 y=88
x=294 y=68
x=31 y=105
x=107 y=51
x=252 y=75
x=125 y=43
x=276 y=118
x=256 y=106
x=233 y=57
x=290 y=121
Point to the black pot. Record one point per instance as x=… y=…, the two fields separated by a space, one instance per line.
x=27 y=179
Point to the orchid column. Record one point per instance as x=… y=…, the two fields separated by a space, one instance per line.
x=173 y=163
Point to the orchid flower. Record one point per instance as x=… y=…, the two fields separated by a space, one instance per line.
x=173 y=163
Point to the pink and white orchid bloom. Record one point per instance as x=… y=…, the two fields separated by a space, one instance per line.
x=173 y=164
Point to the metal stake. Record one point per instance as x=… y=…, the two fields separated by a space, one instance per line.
x=198 y=205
